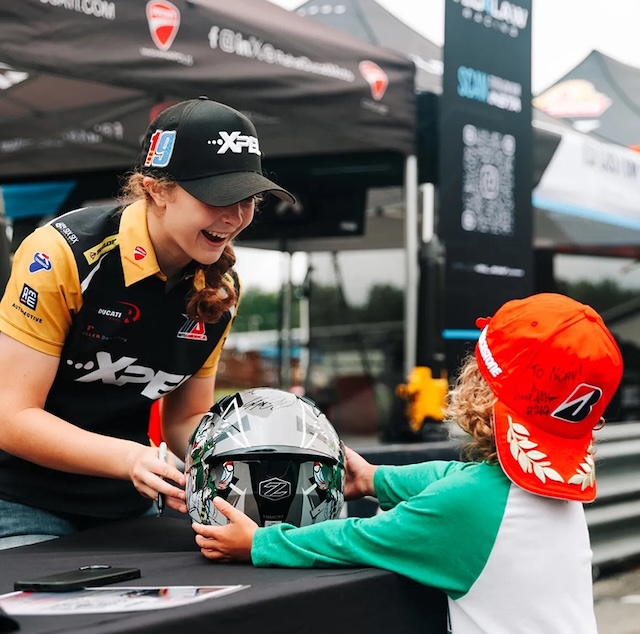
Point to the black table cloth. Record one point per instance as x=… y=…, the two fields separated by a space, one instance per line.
x=278 y=601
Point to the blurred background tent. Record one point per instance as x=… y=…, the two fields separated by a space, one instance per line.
x=586 y=183
x=89 y=77
x=600 y=96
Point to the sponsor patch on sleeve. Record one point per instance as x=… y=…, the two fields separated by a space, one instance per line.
x=29 y=297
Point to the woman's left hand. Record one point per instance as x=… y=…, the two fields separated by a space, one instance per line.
x=227 y=543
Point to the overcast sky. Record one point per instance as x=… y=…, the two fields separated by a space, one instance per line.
x=563 y=33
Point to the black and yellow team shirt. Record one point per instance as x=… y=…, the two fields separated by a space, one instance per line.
x=87 y=288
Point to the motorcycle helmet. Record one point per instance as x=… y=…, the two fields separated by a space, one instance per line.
x=272 y=454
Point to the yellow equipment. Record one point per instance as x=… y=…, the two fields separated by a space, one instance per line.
x=425 y=397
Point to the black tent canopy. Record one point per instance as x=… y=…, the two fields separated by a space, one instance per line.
x=79 y=82
x=370 y=22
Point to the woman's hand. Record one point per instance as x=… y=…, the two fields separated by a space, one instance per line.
x=227 y=543
x=359 y=481
x=150 y=476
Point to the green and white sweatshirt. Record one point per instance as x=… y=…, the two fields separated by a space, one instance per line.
x=509 y=561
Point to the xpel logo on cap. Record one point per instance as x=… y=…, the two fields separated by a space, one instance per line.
x=235 y=142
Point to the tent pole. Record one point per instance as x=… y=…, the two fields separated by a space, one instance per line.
x=411 y=262
x=287 y=305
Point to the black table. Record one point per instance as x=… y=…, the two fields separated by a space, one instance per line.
x=278 y=601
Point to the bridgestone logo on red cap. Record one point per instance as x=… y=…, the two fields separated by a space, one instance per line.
x=579 y=404
x=487 y=357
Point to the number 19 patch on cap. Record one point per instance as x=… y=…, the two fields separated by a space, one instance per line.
x=160 y=148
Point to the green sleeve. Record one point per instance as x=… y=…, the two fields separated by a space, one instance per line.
x=398 y=484
x=440 y=537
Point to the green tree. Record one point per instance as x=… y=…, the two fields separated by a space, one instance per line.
x=326 y=307
x=260 y=310
x=384 y=303
x=257 y=311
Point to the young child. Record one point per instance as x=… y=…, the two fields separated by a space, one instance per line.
x=504 y=535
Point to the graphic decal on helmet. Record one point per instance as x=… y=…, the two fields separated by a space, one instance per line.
x=272 y=454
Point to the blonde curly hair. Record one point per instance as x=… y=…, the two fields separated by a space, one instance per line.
x=214 y=286
x=470 y=404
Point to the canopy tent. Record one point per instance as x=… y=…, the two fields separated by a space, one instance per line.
x=601 y=96
x=585 y=186
x=80 y=81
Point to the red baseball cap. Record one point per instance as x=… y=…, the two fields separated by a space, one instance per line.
x=554 y=367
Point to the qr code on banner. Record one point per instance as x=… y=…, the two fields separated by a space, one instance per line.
x=488 y=181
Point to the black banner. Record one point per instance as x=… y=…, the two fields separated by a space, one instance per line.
x=485 y=163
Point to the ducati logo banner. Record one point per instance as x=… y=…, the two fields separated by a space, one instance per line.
x=377 y=79
x=164 y=22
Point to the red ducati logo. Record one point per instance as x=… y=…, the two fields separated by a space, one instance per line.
x=376 y=78
x=164 y=22
x=139 y=253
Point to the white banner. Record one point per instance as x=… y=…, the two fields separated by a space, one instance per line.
x=594 y=180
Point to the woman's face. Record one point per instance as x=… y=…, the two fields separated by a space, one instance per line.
x=182 y=228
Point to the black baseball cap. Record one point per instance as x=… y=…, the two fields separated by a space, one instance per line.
x=210 y=150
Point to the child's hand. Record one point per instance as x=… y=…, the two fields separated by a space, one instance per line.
x=359 y=482
x=227 y=543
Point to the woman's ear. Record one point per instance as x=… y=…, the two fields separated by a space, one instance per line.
x=158 y=193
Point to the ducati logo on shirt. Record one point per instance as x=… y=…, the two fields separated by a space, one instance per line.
x=139 y=253
x=121 y=311
x=192 y=329
x=579 y=404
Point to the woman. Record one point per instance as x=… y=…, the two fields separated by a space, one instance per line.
x=110 y=308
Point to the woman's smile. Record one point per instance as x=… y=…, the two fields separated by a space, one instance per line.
x=215 y=237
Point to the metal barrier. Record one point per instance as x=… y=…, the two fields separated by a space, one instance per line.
x=613 y=519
